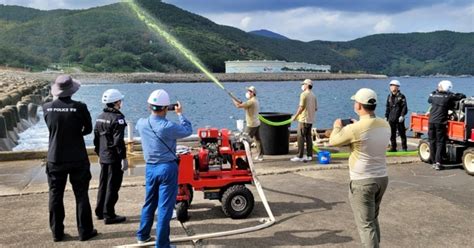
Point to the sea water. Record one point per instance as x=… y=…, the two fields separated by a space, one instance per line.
x=205 y=104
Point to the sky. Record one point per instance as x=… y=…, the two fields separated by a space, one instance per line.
x=307 y=20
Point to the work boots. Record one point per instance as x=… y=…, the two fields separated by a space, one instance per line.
x=115 y=220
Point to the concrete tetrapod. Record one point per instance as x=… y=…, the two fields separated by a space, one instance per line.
x=5 y=143
x=22 y=110
x=17 y=126
x=16 y=97
x=23 y=113
x=5 y=100
x=32 y=112
x=10 y=124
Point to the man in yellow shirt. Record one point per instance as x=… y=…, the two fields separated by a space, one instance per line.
x=252 y=108
x=367 y=139
x=305 y=115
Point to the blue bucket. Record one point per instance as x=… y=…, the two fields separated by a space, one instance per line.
x=324 y=157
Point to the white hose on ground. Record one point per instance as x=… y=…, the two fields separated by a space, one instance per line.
x=267 y=221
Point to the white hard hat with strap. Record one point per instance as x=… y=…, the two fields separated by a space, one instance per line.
x=111 y=96
x=159 y=98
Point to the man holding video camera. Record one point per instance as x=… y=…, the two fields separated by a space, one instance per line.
x=367 y=163
x=159 y=137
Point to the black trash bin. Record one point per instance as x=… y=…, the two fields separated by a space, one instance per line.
x=275 y=139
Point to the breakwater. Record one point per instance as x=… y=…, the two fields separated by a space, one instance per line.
x=222 y=77
x=20 y=98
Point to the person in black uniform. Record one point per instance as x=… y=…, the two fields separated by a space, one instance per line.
x=395 y=112
x=110 y=147
x=68 y=121
x=441 y=101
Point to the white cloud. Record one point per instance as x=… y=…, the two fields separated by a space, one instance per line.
x=320 y=24
x=313 y=23
x=304 y=23
x=383 y=26
x=58 y=4
x=45 y=4
x=244 y=23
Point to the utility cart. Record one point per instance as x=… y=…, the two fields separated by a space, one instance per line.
x=460 y=136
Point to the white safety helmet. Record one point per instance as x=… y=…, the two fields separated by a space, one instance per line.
x=159 y=98
x=445 y=85
x=111 y=96
x=395 y=82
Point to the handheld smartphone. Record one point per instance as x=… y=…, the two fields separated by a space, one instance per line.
x=172 y=107
x=346 y=122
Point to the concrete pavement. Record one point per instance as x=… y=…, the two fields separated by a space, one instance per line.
x=422 y=208
x=28 y=176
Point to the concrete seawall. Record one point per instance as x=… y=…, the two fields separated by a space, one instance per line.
x=20 y=98
x=223 y=77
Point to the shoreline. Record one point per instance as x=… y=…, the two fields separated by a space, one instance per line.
x=140 y=77
x=223 y=77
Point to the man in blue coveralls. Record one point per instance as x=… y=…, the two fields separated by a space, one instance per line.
x=159 y=137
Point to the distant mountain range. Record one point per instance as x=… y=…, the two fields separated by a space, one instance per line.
x=110 y=38
x=268 y=34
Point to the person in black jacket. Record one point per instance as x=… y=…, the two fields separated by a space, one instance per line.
x=110 y=147
x=441 y=101
x=396 y=109
x=68 y=121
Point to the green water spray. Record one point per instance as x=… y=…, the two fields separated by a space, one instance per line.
x=159 y=29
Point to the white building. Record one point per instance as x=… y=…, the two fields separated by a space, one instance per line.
x=272 y=66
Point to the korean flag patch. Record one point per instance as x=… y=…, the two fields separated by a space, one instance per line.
x=121 y=121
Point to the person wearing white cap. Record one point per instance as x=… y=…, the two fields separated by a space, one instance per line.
x=367 y=163
x=109 y=132
x=441 y=101
x=158 y=136
x=68 y=122
x=396 y=109
x=305 y=115
x=252 y=108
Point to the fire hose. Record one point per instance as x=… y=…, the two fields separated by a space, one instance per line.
x=266 y=221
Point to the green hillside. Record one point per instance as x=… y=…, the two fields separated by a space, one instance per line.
x=111 y=39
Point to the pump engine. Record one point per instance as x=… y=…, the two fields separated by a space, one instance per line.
x=218 y=150
x=458 y=112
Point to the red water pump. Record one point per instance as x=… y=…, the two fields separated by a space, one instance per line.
x=220 y=169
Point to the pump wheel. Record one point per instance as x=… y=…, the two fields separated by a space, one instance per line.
x=182 y=211
x=468 y=161
x=237 y=202
x=424 y=151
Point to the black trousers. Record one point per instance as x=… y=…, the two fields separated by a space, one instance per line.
x=437 y=135
x=111 y=177
x=400 y=128
x=79 y=177
x=304 y=135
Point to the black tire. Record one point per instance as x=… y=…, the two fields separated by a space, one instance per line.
x=182 y=211
x=468 y=161
x=237 y=202
x=424 y=151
